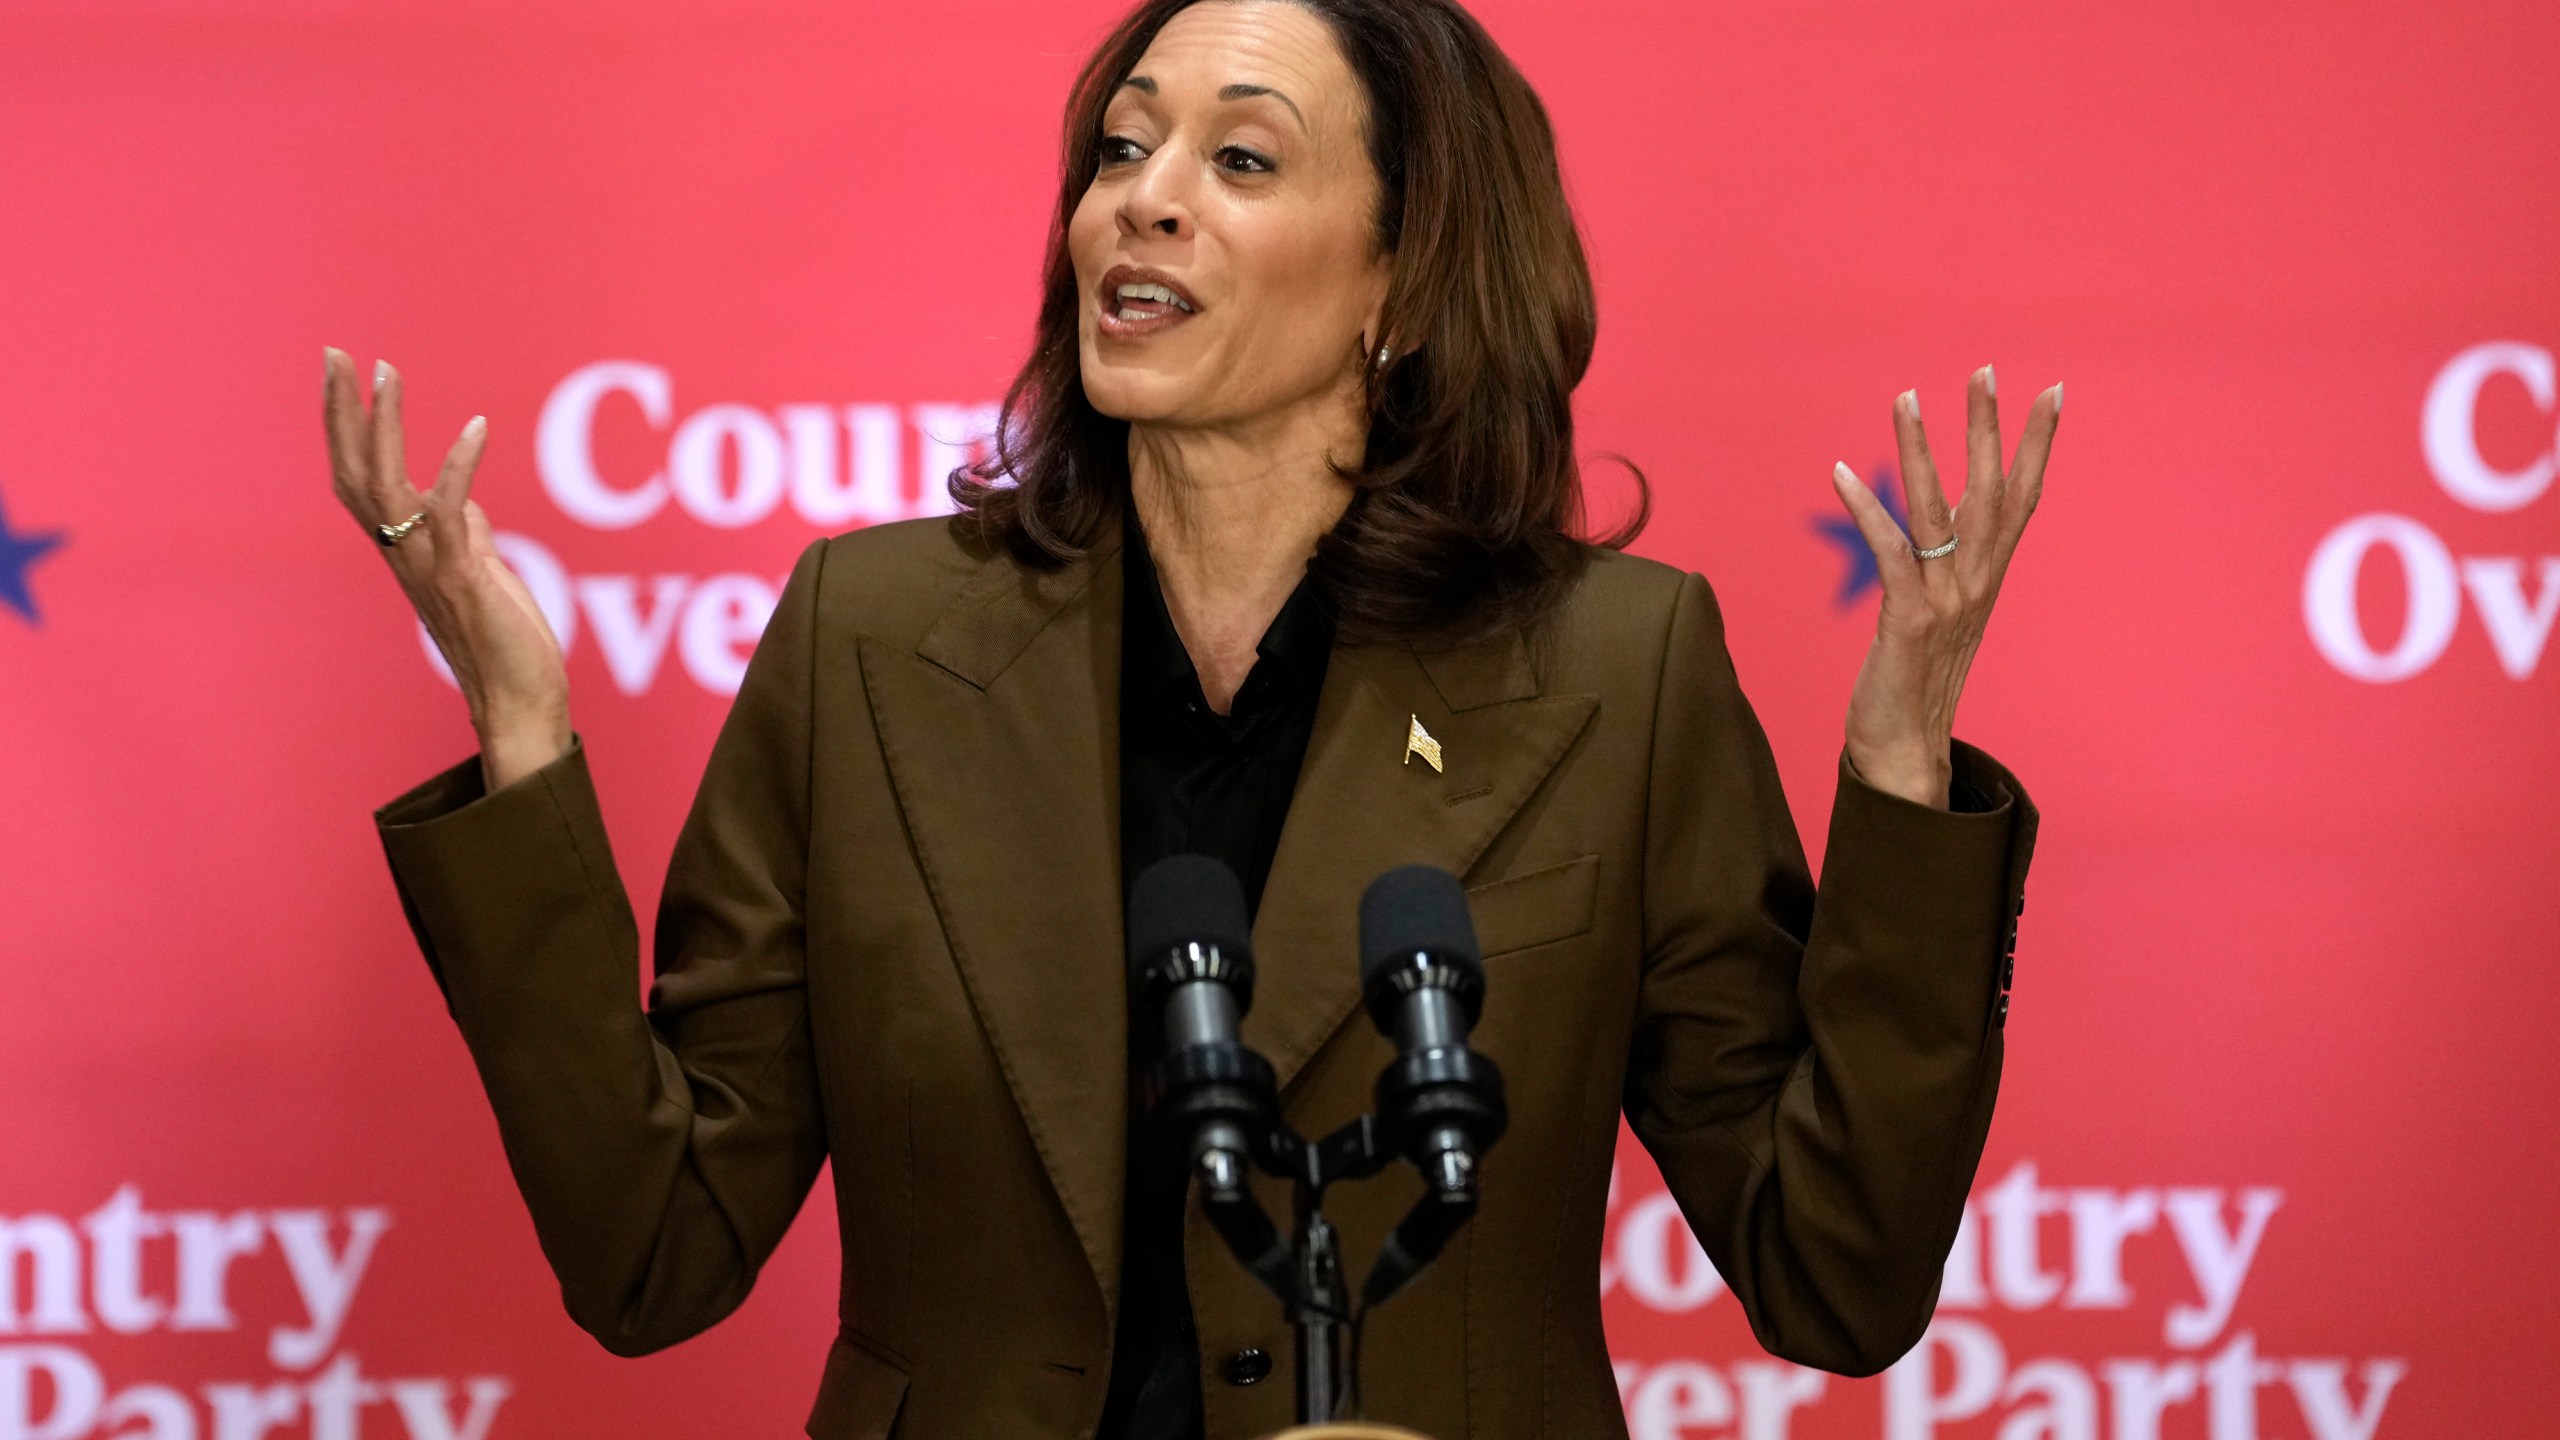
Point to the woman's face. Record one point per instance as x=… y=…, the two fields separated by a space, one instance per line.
x=1235 y=176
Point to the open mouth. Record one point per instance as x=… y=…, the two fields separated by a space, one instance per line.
x=1139 y=301
x=1135 y=302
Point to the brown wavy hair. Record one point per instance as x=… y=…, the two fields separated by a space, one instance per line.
x=1468 y=518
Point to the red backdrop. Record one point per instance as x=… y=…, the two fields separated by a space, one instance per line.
x=2271 y=1157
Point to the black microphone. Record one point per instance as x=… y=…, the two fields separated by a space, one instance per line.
x=1440 y=1102
x=1191 y=961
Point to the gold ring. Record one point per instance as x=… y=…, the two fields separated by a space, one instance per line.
x=389 y=535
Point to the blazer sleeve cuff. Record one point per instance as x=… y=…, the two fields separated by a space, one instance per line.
x=1976 y=784
x=442 y=793
x=483 y=876
x=434 y=810
x=1926 y=900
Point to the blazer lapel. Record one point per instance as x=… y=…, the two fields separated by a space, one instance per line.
x=1362 y=806
x=1002 y=737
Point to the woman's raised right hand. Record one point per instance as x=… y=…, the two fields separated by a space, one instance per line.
x=480 y=614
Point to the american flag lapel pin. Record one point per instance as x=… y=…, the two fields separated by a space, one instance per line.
x=1418 y=741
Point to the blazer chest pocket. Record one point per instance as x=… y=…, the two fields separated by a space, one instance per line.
x=1538 y=908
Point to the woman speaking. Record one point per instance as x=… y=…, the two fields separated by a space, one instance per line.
x=1277 y=560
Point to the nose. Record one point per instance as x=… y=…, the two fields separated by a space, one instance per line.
x=1157 y=200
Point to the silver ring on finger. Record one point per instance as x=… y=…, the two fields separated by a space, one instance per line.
x=1934 y=551
x=389 y=535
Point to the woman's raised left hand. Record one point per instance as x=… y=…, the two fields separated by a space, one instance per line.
x=1903 y=709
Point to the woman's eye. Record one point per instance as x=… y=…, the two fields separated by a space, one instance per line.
x=1238 y=158
x=1116 y=148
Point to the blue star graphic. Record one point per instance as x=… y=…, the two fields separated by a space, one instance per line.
x=18 y=551
x=1840 y=530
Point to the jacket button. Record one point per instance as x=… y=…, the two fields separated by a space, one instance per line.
x=1248 y=1366
x=2001 y=1016
x=2008 y=972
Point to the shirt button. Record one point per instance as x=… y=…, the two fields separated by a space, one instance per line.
x=1248 y=1366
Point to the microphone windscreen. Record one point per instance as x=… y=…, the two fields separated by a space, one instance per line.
x=1183 y=899
x=1414 y=908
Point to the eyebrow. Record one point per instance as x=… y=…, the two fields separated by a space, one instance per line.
x=1147 y=84
x=1244 y=92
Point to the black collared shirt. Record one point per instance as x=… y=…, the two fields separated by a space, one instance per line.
x=1192 y=781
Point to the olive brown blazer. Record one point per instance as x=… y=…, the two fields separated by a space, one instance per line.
x=891 y=936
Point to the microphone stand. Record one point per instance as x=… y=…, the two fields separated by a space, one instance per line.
x=1441 y=1104
x=1223 y=1101
x=1305 y=1270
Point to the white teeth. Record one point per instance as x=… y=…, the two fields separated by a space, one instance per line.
x=1156 y=294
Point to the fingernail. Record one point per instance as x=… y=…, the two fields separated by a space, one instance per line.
x=1841 y=472
x=1990 y=382
x=381 y=375
x=2057 y=397
x=1911 y=402
x=478 y=424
